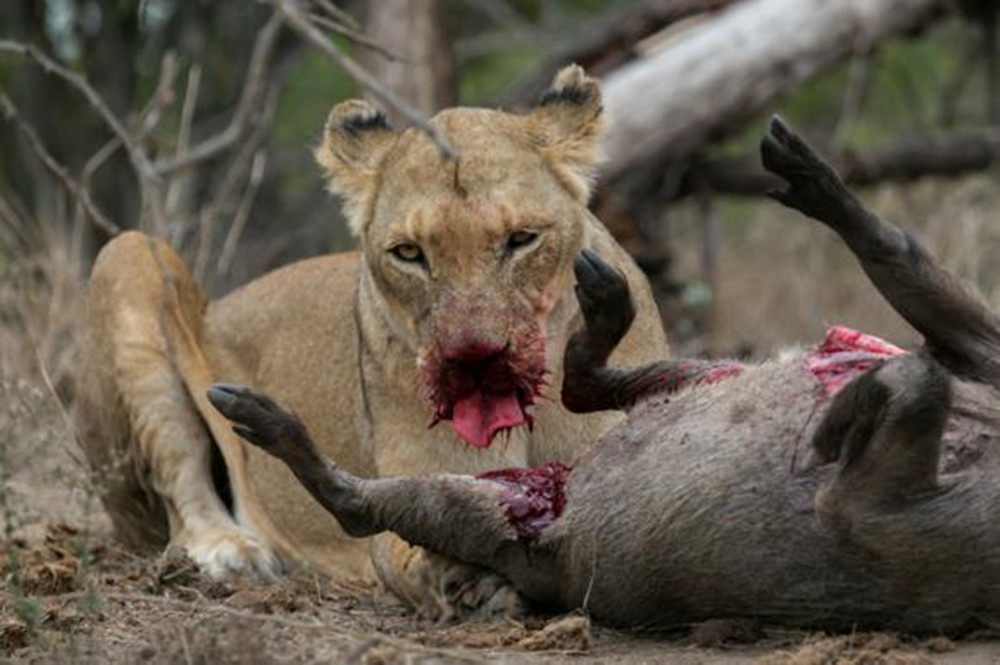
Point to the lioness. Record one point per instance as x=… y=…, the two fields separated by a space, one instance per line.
x=457 y=307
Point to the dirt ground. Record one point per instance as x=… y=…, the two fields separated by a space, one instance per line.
x=68 y=594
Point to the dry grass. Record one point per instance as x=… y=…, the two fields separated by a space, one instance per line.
x=41 y=301
x=783 y=279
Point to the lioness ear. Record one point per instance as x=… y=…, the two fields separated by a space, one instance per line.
x=355 y=139
x=569 y=126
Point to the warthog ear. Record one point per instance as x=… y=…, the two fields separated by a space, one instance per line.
x=355 y=139
x=569 y=126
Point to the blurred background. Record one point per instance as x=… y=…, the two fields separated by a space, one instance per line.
x=195 y=120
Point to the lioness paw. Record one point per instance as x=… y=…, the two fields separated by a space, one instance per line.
x=479 y=595
x=224 y=552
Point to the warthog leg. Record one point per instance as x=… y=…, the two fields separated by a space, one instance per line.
x=589 y=384
x=461 y=516
x=884 y=431
x=960 y=330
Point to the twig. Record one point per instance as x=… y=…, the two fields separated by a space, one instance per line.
x=336 y=13
x=86 y=174
x=149 y=118
x=11 y=113
x=239 y=223
x=184 y=133
x=301 y=24
x=184 y=646
x=160 y=100
x=945 y=155
x=149 y=180
x=136 y=153
x=224 y=191
x=253 y=88
x=13 y=216
x=63 y=409
x=355 y=36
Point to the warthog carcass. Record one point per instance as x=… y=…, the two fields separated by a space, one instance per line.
x=856 y=485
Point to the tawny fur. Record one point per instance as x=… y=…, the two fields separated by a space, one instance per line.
x=338 y=339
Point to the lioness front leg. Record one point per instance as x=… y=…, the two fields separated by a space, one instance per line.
x=589 y=384
x=458 y=516
x=961 y=332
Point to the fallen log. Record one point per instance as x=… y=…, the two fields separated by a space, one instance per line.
x=711 y=79
x=903 y=161
x=608 y=46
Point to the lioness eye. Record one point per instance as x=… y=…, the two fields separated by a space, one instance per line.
x=519 y=239
x=408 y=252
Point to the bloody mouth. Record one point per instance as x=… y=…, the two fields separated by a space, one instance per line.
x=483 y=391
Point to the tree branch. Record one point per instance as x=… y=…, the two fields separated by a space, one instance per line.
x=150 y=184
x=227 y=186
x=12 y=114
x=358 y=38
x=249 y=102
x=904 y=161
x=242 y=214
x=300 y=23
x=135 y=152
x=607 y=46
x=337 y=14
x=149 y=118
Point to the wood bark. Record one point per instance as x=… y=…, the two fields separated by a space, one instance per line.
x=903 y=161
x=416 y=31
x=714 y=77
x=605 y=47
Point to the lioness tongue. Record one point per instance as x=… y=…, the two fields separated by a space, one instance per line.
x=477 y=417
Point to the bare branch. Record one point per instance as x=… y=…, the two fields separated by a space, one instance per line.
x=176 y=185
x=149 y=180
x=239 y=222
x=253 y=89
x=358 y=38
x=225 y=190
x=149 y=118
x=161 y=99
x=301 y=24
x=12 y=114
x=18 y=220
x=608 y=45
x=903 y=161
x=337 y=14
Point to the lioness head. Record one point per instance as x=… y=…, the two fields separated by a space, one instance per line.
x=469 y=258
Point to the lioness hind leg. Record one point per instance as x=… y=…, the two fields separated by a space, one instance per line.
x=137 y=423
x=884 y=430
